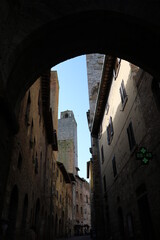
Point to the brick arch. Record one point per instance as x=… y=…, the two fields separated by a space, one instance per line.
x=46 y=34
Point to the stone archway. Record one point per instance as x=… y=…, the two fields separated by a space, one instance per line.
x=35 y=35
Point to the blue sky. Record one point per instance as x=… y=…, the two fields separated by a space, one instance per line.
x=73 y=95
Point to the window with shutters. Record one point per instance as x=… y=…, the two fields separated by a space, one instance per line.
x=114 y=166
x=116 y=68
x=110 y=131
x=123 y=94
x=102 y=154
x=131 y=138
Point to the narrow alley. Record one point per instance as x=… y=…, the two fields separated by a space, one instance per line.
x=46 y=197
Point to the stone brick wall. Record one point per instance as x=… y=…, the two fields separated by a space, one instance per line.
x=94 y=74
x=31 y=170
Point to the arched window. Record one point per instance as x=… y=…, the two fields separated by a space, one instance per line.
x=66 y=115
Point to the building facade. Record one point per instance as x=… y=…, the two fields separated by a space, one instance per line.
x=63 y=202
x=125 y=123
x=28 y=198
x=83 y=211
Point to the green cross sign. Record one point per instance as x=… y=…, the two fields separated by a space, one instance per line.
x=144 y=155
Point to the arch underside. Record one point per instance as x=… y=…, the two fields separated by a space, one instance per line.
x=97 y=31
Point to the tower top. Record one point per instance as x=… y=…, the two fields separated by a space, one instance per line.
x=67 y=114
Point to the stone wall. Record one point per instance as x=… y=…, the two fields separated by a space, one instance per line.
x=31 y=172
x=94 y=74
x=67 y=130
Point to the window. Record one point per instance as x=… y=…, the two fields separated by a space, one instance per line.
x=104 y=184
x=110 y=131
x=31 y=136
x=36 y=164
x=77 y=194
x=107 y=108
x=114 y=166
x=102 y=154
x=123 y=94
x=77 y=208
x=100 y=131
x=86 y=199
x=131 y=137
x=81 y=196
x=81 y=210
x=116 y=68
x=57 y=195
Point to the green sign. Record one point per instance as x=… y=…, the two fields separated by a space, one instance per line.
x=144 y=155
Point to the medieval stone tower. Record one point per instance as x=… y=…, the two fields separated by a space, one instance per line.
x=67 y=141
